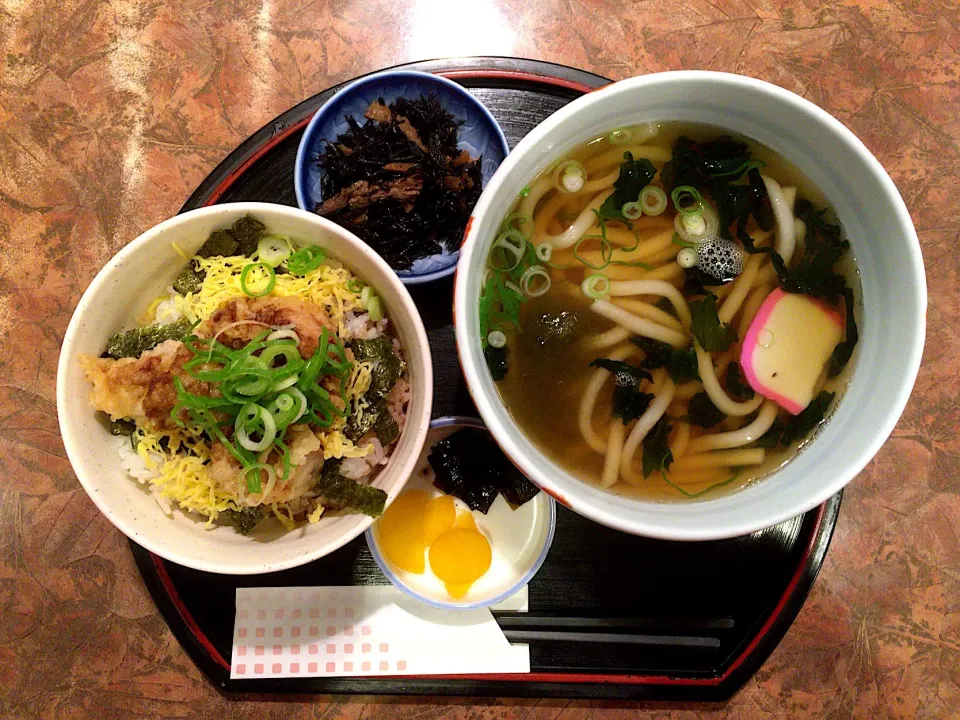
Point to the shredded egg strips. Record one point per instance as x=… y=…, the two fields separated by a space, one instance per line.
x=326 y=286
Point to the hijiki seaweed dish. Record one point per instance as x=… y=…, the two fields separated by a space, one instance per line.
x=265 y=382
x=399 y=182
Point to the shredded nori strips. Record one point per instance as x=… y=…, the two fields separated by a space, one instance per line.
x=190 y=279
x=134 y=342
x=240 y=239
x=247 y=231
x=340 y=492
x=469 y=465
x=330 y=469
x=399 y=182
x=388 y=368
x=220 y=243
x=375 y=417
x=244 y=520
x=122 y=427
x=386 y=428
x=359 y=424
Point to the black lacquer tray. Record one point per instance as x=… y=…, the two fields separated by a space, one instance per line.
x=735 y=599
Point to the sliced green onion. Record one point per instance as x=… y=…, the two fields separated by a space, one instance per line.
x=746 y=167
x=653 y=200
x=636 y=244
x=247 y=385
x=696 y=229
x=516 y=221
x=511 y=245
x=687 y=200
x=273 y=249
x=302 y=399
x=320 y=400
x=248 y=417
x=293 y=362
x=632 y=210
x=544 y=252
x=375 y=309
x=621 y=136
x=241 y=454
x=633 y=263
x=606 y=251
x=497 y=339
x=284 y=334
x=245 y=354
x=694 y=224
x=365 y=296
x=677 y=240
x=355 y=286
x=306 y=259
x=254 y=484
x=197 y=401
x=707 y=489
x=339 y=365
x=208 y=375
x=595 y=286
x=535 y=281
x=315 y=364
x=271 y=279
x=269 y=432
x=285 y=383
x=569 y=177
x=285 y=458
x=285 y=409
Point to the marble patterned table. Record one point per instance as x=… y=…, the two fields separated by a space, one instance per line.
x=112 y=111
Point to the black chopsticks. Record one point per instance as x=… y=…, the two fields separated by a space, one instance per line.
x=668 y=632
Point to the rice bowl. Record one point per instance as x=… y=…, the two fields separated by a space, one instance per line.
x=185 y=522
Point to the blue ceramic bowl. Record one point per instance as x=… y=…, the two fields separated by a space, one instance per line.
x=508 y=583
x=480 y=135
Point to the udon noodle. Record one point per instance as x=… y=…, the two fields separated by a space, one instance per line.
x=621 y=292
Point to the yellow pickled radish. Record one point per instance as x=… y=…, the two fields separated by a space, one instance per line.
x=401 y=531
x=460 y=556
x=438 y=517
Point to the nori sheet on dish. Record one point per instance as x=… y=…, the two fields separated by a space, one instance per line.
x=469 y=465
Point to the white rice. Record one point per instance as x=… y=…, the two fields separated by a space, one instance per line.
x=362 y=327
x=167 y=311
x=137 y=468
x=355 y=468
x=398 y=400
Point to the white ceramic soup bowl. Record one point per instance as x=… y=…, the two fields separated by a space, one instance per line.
x=884 y=243
x=120 y=292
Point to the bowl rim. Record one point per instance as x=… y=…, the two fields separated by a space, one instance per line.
x=307 y=141
x=72 y=441
x=669 y=529
x=384 y=565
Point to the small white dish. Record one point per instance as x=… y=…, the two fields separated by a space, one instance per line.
x=120 y=291
x=520 y=539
